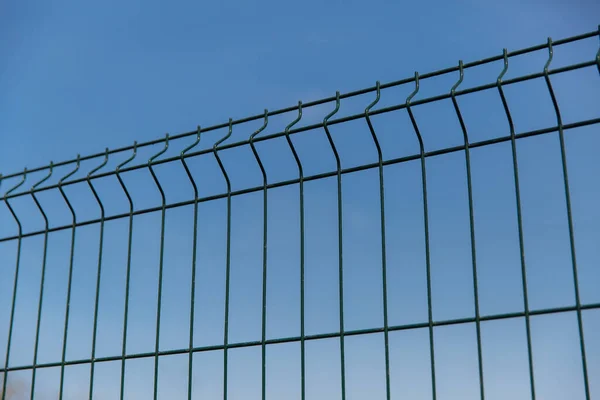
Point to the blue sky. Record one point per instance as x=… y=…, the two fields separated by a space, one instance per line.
x=78 y=77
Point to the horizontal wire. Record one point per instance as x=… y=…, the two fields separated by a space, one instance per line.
x=304 y=128
x=318 y=176
x=293 y=339
x=327 y=100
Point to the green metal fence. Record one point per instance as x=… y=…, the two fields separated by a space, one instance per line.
x=126 y=156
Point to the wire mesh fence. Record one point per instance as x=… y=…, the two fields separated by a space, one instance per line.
x=433 y=237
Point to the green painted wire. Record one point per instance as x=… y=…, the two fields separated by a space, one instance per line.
x=563 y=155
x=340 y=243
x=319 y=336
x=228 y=257
x=364 y=167
x=301 y=186
x=98 y=274
x=304 y=128
x=383 y=243
x=70 y=279
x=128 y=269
x=193 y=272
x=471 y=229
x=161 y=263
x=343 y=96
x=519 y=224
x=264 y=260
x=426 y=224
x=42 y=280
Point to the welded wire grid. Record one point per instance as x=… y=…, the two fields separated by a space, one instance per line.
x=17 y=188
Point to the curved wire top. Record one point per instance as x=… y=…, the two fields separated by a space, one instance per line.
x=337 y=108
x=123 y=186
x=550 y=56
x=505 y=54
x=124 y=163
x=224 y=138
x=191 y=146
x=18 y=185
x=44 y=179
x=185 y=166
x=294 y=122
x=160 y=153
x=330 y=99
x=216 y=154
x=92 y=172
x=255 y=152
x=368 y=109
x=457 y=84
x=262 y=128
x=410 y=97
x=60 y=182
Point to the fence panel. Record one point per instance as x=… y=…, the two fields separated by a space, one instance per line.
x=424 y=238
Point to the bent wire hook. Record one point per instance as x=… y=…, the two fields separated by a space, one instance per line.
x=151 y=162
x=185 y=166
x=7 y=194
x=216 y=153
x=371 y=129
x=412 y=117
x=18 y=185
x=255 y=152
x=287 y=136
x=118 y=174
x=329 y=138
x=89 y=182
x=456 y=108
x=60 y=188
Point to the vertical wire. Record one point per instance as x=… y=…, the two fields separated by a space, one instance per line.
x=42 y=281
x=563 y=154
x=301 y=183
x=128 y=269
x=194 y=252
x=70 y=280
x=519 y=223
x=16 y=281
x=426 y=224
x=340 y=241
x=383 y=244
x=99 y=273
x=472 y=229
x=264 y=261
x=228 y=258
x=160 y=262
